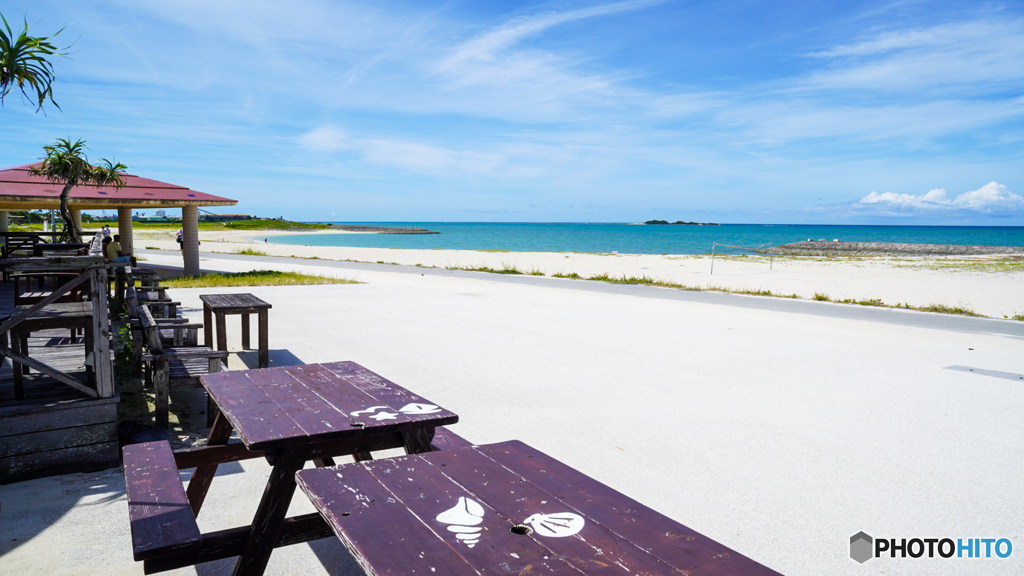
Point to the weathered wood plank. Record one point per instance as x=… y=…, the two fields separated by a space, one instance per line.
x=53 y=462
x=27 y=312
x=58 y=439
x=103 y=368
x=674 y=543
x=52 y=373
x=255 y=416
x=592 y=550
x=161 y=519
x=445 y=439
x=227 y=543
x=369 y=519
x=27 y=419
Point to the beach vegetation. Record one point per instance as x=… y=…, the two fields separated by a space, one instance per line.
x=253 y=278
x=1019 y=317
x=152 y=248
x=250 y=252
x=65 y=164
x=821 y=297
x=944 y=309
x=505 y=269
x=536 y=272
x=570 y=275
x=25 y=64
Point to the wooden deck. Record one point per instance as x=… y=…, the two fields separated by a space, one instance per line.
x=54 y=429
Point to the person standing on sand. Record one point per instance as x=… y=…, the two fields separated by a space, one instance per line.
x=106 y=231
x=181 y=244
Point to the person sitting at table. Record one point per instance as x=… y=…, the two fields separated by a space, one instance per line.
x=112 y=251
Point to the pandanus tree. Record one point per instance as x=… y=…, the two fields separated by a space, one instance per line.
x=25 y=64
x=66 y=164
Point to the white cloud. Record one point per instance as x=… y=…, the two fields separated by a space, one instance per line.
x=414 y=156
x=988 y=197
x=326 y=139
x=992 y=197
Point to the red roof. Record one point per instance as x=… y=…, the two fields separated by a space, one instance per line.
x=20 y=190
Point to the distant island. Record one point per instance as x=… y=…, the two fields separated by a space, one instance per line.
x=681 y=223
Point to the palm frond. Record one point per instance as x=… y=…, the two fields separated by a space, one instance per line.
x=25 y=64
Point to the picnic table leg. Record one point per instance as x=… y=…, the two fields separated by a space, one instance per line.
x=245 y=331
x=207 y=326
x=266 y=525
x=222 y=333
x=202 y=476
x=418 y=441
x=264 y=344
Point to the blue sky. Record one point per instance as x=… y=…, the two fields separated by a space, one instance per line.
x=800 y=112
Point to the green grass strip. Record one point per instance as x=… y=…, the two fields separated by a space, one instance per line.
x=252 y=278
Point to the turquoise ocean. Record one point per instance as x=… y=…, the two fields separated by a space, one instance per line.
x=649 y=239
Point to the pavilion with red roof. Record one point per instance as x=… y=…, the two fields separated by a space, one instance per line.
x=20 y=190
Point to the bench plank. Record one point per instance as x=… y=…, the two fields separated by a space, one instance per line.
x=593 y=552
x=676 y=544
x=470 y=498
x=427 y=491
x=376 y=523
x=161 y=519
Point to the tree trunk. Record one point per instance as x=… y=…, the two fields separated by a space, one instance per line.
x=71 y=233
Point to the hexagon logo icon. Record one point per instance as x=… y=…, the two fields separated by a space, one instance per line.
x=860 y=547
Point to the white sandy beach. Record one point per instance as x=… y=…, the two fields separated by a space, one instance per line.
x=777 y=427
x=989 y=286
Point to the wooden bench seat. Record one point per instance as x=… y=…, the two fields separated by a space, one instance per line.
x=162 y=522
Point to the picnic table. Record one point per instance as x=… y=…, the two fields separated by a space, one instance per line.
x=71 y=315
x=504 y=509
x=220 y=305
x=289 y=415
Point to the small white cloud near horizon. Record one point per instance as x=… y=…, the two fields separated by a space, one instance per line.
x=990 y=197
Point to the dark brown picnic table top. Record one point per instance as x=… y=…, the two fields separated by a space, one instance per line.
x=504 y=509
x=57 y=311
x=276 y=407
x=233 y=302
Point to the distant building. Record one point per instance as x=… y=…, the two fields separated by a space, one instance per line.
x=224 y=217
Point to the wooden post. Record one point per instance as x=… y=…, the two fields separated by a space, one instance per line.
x=162 y=385
x=4 y=225
x=101 y=333
x=124 y=228
x=190 y=239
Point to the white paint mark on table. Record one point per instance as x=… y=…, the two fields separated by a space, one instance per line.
x=557 y=525
x=463 y=519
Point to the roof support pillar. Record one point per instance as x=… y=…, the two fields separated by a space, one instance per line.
x=3 y=225
x=190 y=239
x=76 y=217
x=124 y=228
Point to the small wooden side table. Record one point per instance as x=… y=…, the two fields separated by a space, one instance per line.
x=220 y=305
